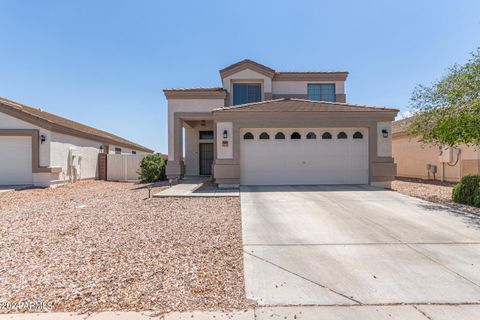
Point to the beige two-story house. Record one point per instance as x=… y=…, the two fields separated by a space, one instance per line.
x=266 y=127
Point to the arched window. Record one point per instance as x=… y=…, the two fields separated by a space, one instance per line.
x=357 y=135
x=280 y=136
x=295 y=136
x=326 y=135
x=248 y=136
x=264 y=136
x=342 y=135
x=311 y=135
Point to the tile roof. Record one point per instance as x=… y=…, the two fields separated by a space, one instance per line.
x=198 y=89
x=400 y=125
x=53 y=122
x=269 y=72
x=301 y=105
x=309 y=72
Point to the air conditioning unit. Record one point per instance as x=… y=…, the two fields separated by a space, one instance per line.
x=446 y=154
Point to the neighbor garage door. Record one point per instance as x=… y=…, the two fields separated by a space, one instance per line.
x=303 y=156
x=15 y=160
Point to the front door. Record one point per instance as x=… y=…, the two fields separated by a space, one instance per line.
x=206 y=159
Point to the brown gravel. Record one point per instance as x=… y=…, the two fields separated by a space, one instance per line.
x=98 y=246
x=434 y=191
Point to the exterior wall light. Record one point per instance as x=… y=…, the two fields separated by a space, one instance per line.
x=385 y=133
x=42 y=139
x=225 y=134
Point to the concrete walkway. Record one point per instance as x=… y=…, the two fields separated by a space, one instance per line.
x=397 y=312
x=194 y=187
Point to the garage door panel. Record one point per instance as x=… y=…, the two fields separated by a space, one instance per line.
x=15 y=161
x=315 y=161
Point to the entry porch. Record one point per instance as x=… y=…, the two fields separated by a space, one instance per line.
x=192 y=146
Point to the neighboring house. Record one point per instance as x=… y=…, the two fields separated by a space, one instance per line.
x=41 y=149
x=265 y=127
x=414 y=158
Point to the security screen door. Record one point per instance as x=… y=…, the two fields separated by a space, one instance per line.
x=206 y=159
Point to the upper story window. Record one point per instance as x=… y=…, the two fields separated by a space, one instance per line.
x=321 y=91
x=246 y=93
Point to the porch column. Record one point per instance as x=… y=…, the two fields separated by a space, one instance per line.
x=175 y=165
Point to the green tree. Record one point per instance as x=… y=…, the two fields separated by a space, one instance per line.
x=152 y=168
x=448 y=111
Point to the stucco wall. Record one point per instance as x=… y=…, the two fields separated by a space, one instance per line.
x=412 y=158
x=384 y=145
x=247 y=75
x=8 y=122
x=300 y=87
x=186 y=105
x=87 y=149
x=224 y=145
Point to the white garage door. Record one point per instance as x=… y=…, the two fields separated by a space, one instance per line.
x=15 y=160
x=304 y=156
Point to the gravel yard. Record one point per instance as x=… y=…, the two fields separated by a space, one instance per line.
x=102 y=246
x=434 y=191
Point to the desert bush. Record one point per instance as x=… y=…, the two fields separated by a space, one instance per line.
x=467 y=191
x=152 y=168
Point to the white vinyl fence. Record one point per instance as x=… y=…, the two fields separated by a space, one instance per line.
x=123 y=167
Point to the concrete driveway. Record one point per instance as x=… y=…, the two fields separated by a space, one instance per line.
x=356 y=245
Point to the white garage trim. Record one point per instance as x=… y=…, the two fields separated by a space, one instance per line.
x=304 y=161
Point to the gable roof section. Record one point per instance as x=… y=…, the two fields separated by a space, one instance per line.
x=55 y=123
x=301 y=105
x=283 y=75
x=247 y=64
x=220 y=93
x=195 y=93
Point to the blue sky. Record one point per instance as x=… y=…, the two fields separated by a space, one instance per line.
x=105 y=63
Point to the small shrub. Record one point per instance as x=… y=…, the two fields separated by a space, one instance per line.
x=467 y=191
x=152 y=168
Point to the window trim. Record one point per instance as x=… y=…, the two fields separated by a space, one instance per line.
x=299 y=135
x=344 y=136
x=204 y=131
x=321 y=98
x=265 y=135
x=325 y=137
x=254 y=83
x=356 y=135
x=250 y=134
